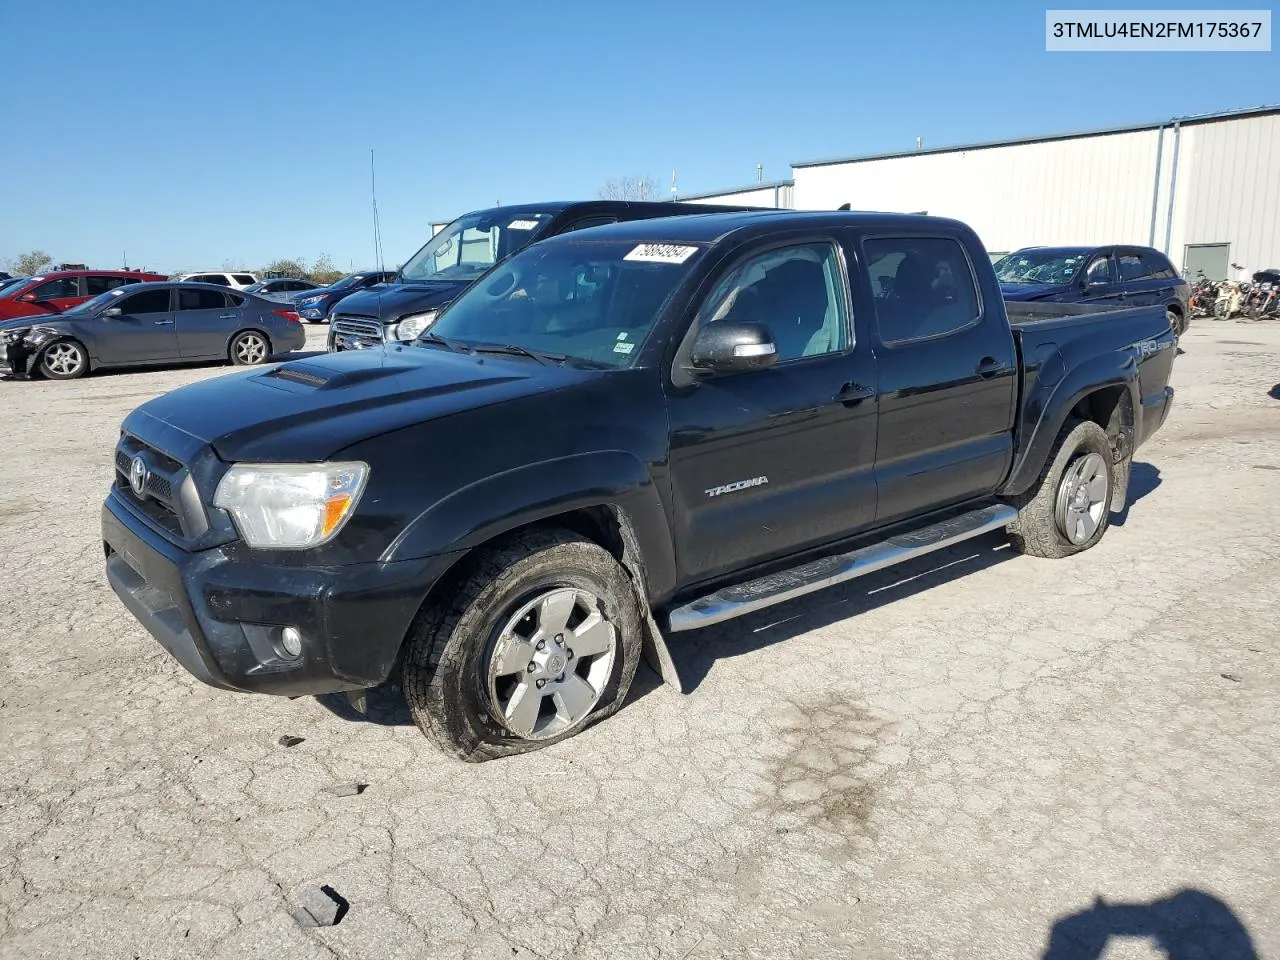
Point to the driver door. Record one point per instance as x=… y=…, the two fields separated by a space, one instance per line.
x=766 y=462
x=142 y=333
x=54 y=296
x=1101 y=281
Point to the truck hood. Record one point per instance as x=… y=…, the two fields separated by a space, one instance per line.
x=1031 y=291
x=389 y=302
x=310 y=409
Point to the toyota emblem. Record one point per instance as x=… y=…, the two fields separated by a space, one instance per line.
x=138 y=476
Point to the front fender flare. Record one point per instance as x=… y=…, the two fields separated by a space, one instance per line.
x=475 y=514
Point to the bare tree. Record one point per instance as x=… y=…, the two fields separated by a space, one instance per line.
x=31 y=263
x=630 y=188
x=323 y=270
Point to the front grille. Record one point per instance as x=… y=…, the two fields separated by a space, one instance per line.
x=355 y=332
x=161 y=499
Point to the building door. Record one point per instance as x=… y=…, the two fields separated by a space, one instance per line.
x=1211 y=259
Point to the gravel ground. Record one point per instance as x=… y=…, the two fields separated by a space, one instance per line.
x=955 y=758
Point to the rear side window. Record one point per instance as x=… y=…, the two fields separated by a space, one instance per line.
x=201 y=300
x=56 y=289
x=242 y=278
x=148 y=301
x=217 y=278
x=235 y=299
x=97 y=285
x=1132 y=267
x=923 y=287
x=1157 y=267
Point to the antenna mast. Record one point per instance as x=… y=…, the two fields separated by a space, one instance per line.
x=377 y=230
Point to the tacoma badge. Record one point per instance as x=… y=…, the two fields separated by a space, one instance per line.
x=737 y=485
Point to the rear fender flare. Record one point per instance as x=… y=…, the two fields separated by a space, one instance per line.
x=1050 y=413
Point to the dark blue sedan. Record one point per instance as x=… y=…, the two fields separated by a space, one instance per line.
x=314 y=306
x=1113 y=275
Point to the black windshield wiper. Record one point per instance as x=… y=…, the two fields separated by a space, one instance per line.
x=435 y=338
x=541 y=356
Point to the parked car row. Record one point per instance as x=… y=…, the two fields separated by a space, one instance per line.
x=148 y=322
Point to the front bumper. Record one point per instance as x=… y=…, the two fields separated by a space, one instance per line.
x=220 y=615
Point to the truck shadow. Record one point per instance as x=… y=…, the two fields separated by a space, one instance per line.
x=695 y=654
x=1188 y=925
x=1143 y=479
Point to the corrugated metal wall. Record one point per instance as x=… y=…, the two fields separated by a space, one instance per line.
x=1229 y=190
x=1086 y=190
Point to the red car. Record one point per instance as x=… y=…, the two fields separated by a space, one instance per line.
x=63 y=289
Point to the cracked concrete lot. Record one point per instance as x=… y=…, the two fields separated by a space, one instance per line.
x=950 y=759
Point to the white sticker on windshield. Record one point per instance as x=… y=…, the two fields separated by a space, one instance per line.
x=623 y=347
x=523 y=225
x=661 y=253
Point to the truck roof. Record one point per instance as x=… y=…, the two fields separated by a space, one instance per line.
x=710 y=227
x=599 y=206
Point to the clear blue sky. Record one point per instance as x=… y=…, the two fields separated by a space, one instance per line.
x=189 y=134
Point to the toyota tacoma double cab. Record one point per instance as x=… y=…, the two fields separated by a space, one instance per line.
x=613 y=437
x=406 y=304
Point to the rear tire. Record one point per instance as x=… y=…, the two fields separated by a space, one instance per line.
x=64 y=360
x=1070 y=508
x=478 y=684
x=250 y=348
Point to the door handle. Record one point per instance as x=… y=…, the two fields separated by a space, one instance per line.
x=990 y=367
x=163 y=323
x=226 y=316
x=854 y=393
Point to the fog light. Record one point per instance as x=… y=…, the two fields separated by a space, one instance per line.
x=291 y=640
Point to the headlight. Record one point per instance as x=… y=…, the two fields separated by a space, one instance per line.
x=414 y=324
x=308 y=301
x=290 y=506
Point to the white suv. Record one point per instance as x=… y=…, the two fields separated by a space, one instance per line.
x=236 y=280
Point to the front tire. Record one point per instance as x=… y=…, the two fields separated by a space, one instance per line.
x=249 y=348
x=539 y=639
x=1070 y=508
x=64 y=360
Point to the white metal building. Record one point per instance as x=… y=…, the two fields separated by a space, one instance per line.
x=1205 y=189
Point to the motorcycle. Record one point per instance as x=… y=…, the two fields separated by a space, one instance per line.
x=1230 y=296
x=1203 y=296
x=1264 y=299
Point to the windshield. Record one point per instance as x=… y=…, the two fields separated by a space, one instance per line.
x=1043 y=267
x=347 y=281
x=103 y=298
x=254 y=287
x=472 y=244
x=16 y=288
x=588 y=301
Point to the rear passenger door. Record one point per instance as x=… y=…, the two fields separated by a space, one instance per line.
x=947 y=376
x=1147 y=278
x=205 y=323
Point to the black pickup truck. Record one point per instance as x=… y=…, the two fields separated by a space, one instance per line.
x=407 y=303
x=612 y=437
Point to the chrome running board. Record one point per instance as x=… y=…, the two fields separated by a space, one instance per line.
x=743 y=598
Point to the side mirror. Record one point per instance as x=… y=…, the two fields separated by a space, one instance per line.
x=727 y=347
x=112 y=312
x=28 y=298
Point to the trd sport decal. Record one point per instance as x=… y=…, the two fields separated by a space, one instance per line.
x=737 y=485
